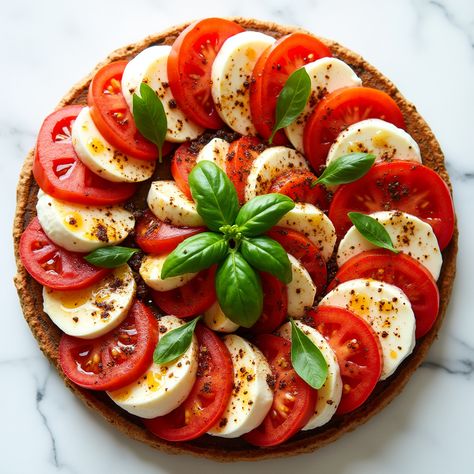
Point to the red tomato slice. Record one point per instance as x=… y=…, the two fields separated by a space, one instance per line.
x=400 y=270
x=53 y=266
x=402 y=185
x=112 y=361
x=158 y=237
x=191 y=299
x=190 y=65
x=208 y=398
x=270 y=73
x=342 y=108
x=59 y=172
x=305 y=251
x=358 y=352
x=298 y=185
x=182 y=163
x=293 y=399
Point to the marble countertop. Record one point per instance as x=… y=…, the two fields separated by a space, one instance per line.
x=425 y=47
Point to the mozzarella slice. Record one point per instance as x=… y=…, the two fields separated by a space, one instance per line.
x=163 y=387
x=102 y=158
x=231 y=76
x=409 y=235
x=215 y=319
x=314 y=224
x=215 y=151
x=386 y=308
x=150 y=271
x=329 y=395
x=91 y=312
x=252 y=397
x=382 y=139
x=327 y=75
x=270 y=164
x=81 y=228
x=169 y=204
x=151 y=66
x=301 y=289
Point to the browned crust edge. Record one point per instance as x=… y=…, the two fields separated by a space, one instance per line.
x=221 y=450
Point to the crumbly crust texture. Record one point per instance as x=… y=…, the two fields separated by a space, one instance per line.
x=219 y=449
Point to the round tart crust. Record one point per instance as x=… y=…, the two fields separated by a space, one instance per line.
x=219 y=449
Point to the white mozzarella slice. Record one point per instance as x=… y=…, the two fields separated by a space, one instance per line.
x=164 y=386
x=329 y=395
x=150 y=271
x=231 y=76
x=150 y=66
x=95 y=310
x=327 y=75
x=81 y=228
x=314 y=224
x=301 y=289
x=102 y=158
x=382 y=139
x=408 y=234
x=270 y=164
x=215 y=151
x=170 y=204
x=386 y=308
x=215 y=319
x=252 y=397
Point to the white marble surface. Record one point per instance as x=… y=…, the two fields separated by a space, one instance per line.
x=425 y=47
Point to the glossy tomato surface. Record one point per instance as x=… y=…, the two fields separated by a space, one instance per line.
x=182 y=163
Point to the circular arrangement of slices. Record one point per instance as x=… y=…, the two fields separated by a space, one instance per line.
x=94 y=182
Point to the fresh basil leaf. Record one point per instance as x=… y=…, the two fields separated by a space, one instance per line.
x=215 y=195
x=239 y=290
x=194 y=254
x=110 y=257
x=262 y=212
x=267 y=255
x=346 y=169
x=372 y=230
x=291 y=100
x=174 y=343
x=307 y=359
x=150 y=116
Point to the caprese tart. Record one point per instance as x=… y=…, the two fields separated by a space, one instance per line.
x=235 y=239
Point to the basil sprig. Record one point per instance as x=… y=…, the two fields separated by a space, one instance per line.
x=110 y=257
x=291 y=100
x=150 y=116
x=372 y=230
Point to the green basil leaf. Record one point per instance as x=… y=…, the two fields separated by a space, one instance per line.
x=215 y=195
x=267 y=255
x=307 y=359
x=372 y=230
x=110 y=257
x=346 y=169
x=150 y=116
x=239 y=290
x=194 y=254
x=174 y=343
x=291 y=100
x=262 y=212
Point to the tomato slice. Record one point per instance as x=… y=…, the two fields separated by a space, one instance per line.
x=342 y=108
x=190 y=65
x=182 y=163
x=401 y=185
x=293 y=399
x=305 y=251
x=402 y=271
x=208 y=398
x=191 y=299
x=116 y=359
x=298 y=185
x=59 y=172
x=358 y=352
x=270 y=73
x=53 y=266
